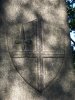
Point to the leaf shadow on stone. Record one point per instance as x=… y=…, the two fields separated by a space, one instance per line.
x=53 y=91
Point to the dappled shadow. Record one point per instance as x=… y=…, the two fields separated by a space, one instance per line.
x=57 y=93
x=36 y=50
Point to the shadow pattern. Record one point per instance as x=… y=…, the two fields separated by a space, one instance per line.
x=25 y=53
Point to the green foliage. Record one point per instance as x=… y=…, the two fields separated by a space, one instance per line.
x=71 y=22
x=71 y=14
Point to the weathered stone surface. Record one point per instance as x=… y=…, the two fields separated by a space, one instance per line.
x=35 y=55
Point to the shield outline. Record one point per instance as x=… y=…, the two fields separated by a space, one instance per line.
x=38 y=89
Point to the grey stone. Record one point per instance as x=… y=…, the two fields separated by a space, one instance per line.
x=35 y=54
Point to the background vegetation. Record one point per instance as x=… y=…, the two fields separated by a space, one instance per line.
x=71 y=22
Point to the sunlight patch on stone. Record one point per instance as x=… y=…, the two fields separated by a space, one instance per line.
x=19 y=1
x=17 y=92
x=52 y=40
x=61 y=15
x=19 y=61
x=12 y=11
x=28 y=15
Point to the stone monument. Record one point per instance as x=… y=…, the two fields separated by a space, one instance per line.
x=35 y=50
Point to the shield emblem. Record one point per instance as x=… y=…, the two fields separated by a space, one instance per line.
x=37 y=55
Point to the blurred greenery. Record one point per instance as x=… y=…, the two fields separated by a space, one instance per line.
x=71 y=22
x=71 y=14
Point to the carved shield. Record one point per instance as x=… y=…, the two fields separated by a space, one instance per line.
x=36 y=53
